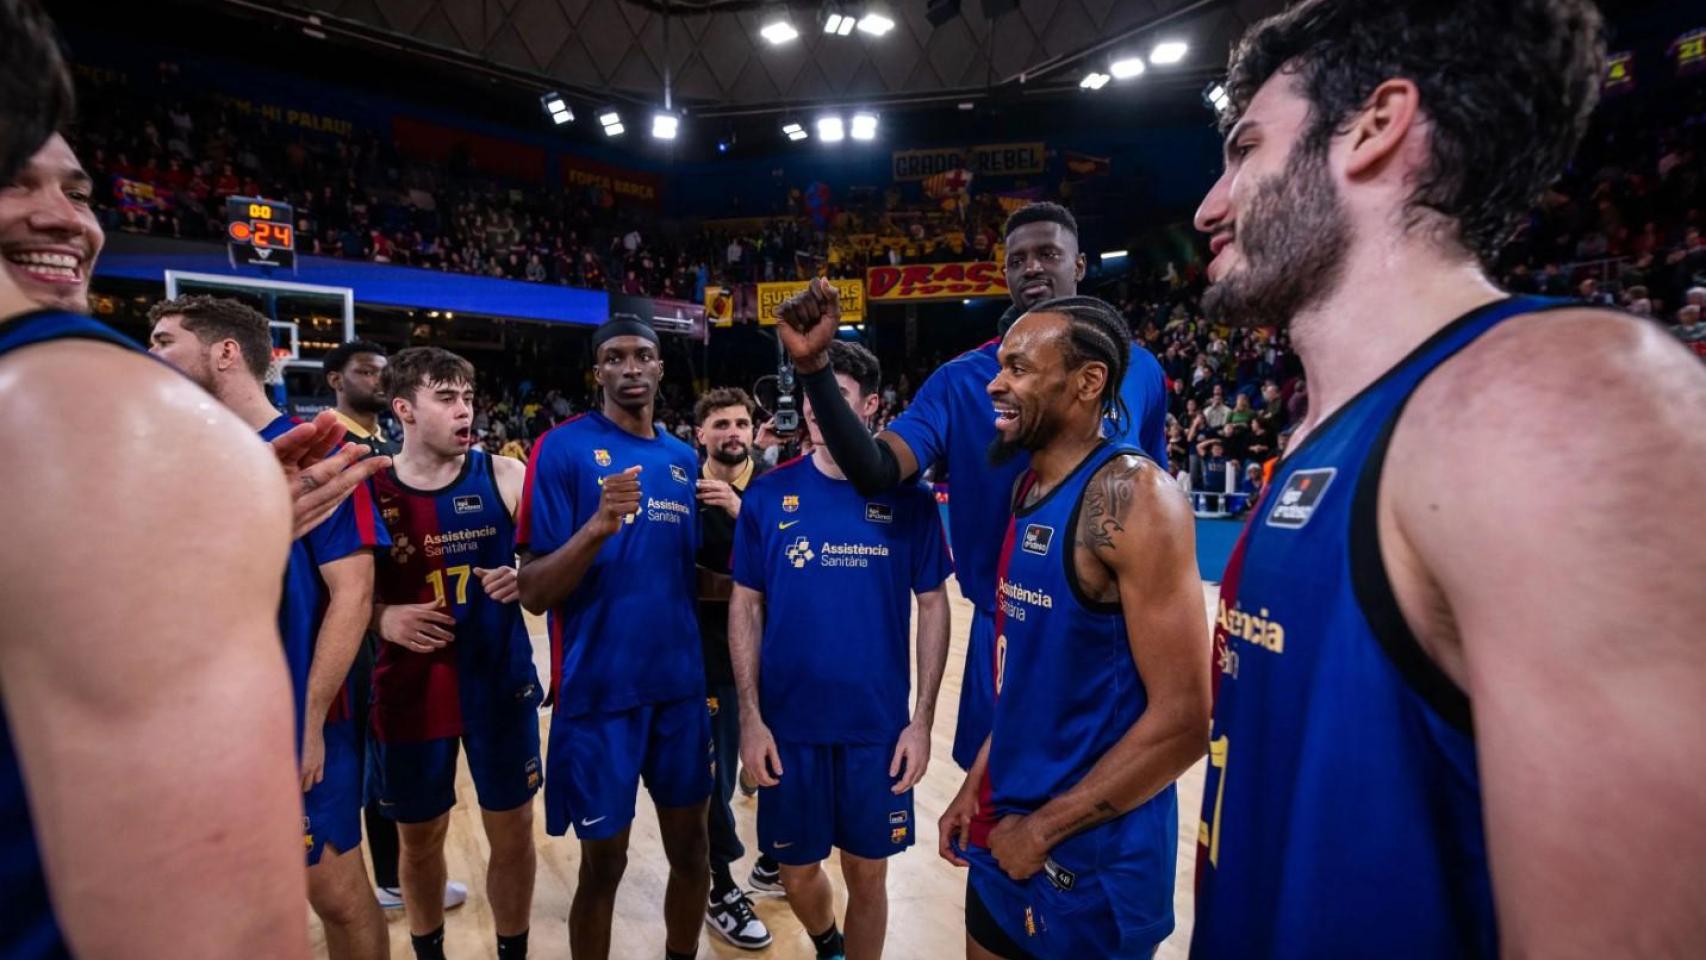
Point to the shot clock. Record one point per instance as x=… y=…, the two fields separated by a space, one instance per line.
x=260 y=232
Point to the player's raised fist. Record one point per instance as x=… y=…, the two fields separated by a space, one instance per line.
x=809 y=321
x=618 y=500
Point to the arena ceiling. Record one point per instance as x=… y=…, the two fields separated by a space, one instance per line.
x=717 y=63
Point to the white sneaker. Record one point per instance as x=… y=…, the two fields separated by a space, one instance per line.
x=391 y=898
x=734 y=920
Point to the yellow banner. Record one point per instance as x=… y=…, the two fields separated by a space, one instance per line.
x=719 y=306
x=937 y=281
x=772 y=295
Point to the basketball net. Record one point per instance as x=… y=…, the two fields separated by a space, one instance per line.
x=275 y=369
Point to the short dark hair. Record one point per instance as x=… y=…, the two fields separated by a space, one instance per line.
x=36 y=97
x=714 y=400
x=858 y=362
x=213 y=319
x=1507 y=88
x=1096 y=331
x=416 y=367
x=339 y=358
x=1041 y=212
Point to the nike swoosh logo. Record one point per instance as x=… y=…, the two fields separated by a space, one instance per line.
x=783 y=846
x=588 y=823
x=784 y=526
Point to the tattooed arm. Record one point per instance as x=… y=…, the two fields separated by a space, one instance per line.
x=1140 y=528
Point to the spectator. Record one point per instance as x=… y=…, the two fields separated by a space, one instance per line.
x=1216 y=412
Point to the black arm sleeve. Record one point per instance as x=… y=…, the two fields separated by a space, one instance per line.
x=866 y=461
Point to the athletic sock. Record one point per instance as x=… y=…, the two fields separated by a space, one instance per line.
x=669 y=954
x=829 y=943
x=512 y=948
x=721 y=882
x=429 y=946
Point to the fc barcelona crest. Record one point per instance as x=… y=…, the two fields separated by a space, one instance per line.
x=601 y=457
x=790 y=503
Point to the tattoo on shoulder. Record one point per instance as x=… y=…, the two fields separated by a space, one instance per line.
x=1108 y=500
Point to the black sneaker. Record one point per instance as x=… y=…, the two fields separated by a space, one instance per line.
x=733 y=919
x=766 y=876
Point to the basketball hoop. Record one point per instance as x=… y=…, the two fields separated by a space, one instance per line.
x=275 y=368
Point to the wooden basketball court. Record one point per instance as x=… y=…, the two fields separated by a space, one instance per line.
x=926 y=894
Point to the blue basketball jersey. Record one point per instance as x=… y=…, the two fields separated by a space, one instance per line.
x=352 y=527
x=629 y=634
x=951 y=422
x=836 y=570
x=438 y=539
x=27 y=928
x=1342 y=811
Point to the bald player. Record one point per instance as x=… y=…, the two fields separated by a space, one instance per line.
x=951 y=424
x=1460 y=657
x=177 y=645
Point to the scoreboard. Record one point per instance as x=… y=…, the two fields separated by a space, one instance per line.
x=260 y=232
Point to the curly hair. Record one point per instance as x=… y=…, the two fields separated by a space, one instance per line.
x=212 y=319
x=1507 y=87
x=35 y=90
x=717 y=398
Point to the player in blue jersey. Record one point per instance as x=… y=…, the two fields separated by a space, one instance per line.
x=1067 y=817
x=224 y=346
x=819 y=630
x=457 y=667
x=1441 y=675
x=89 y=758
x=608 y=537
x=950 y=424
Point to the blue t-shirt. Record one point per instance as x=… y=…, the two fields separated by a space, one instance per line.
x=628 y=634
x=952 y=421
x=353 y=526
x=836 y=570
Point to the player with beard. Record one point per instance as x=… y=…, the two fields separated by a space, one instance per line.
x=224 y=347
x=1439 y=680
x=608 y=542
x=949 y=423
x=725 y=419
x=92 y=794
x=355 y=371
x=1068 y=817
x=456 y=669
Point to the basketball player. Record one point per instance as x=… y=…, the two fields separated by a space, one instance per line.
x=1068 y=817
x=725 y=419
x=96 y=816
x=457 y=664
x=825 y=576
x=1458 y=705
x=608 y=541
x=355 y=372
x=224 y=347
x=950 y=423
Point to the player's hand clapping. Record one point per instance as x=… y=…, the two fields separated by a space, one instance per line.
x=719 y=493
x=318 y=482
x=499 y=584
x=421 y=627
x=618 y=499
x=809 y=321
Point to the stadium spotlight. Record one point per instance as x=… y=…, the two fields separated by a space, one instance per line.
x=1127 y=68
x=830 y=129
x=778 y=32
x=864 y=126
x=1112 y=255
x=612 y=123
x=794 y=131
x=1093 y=81
x=839 y=24
x=665 y=125
x=557 y=108
x=875 y=24
x=1217 y=98
x=1167 y=51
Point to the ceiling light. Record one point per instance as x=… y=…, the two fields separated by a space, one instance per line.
x=556 y=108
x=779 y=32
x=1113 y=255
x=794 y=131
x=838 y=24
x=830 y=129
x=1094 y=81
x=1127 y=68
x=875 y=24
x=664 y=125
x=967 y=105
x=609 y=118
x=864 y=126
x=1169 y=51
